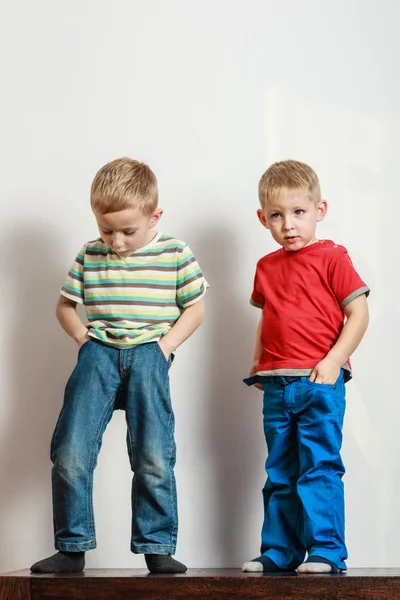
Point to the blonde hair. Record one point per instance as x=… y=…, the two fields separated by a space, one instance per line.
x=288 y=175
x=124 y=184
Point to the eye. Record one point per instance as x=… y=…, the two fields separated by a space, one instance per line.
x=275 y=215
x=299 y=211
x=129 y=232
x=106 y=232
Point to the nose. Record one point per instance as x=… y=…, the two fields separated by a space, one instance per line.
x=117 y=241
x=287 y=224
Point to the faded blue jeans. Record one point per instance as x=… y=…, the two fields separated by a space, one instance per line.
x=303 y=495
x=101 y=372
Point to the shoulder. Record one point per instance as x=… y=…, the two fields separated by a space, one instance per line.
x=177 y=250
x=331 y=248
x=170 y=244
x=271 y=258
x=334 y=258
x=326 y=252
x=96 y=248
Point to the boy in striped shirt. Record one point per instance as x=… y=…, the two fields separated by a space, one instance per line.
x=143 y=295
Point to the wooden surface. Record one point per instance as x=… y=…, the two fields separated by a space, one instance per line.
x=201 y=584
x=14 y=588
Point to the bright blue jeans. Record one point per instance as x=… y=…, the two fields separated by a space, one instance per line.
x=303 y=495
x=101 y=372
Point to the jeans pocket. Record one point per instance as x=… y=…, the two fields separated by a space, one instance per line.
x=327 y=399
x=82 y=347
x=168 y=361
x=321 y=385
x=333 y=386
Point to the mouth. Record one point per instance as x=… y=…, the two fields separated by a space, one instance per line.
x=292 y=239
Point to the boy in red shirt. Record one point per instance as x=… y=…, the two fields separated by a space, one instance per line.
x=314 y=315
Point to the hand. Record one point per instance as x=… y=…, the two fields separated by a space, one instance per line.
x=327 y=371
x=253 y=371
x=164 y=348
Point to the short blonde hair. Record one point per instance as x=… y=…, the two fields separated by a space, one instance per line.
x=124 y=184
x=288 y=175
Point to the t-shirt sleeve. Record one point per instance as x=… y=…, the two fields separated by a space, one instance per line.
x=346 y=282
x=73 y=288
x=257 y=299
x=191 y=284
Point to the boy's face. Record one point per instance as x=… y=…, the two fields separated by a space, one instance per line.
x=292 y=219
x=127 y=230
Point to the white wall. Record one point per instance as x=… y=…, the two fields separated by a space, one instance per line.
x=208 y=92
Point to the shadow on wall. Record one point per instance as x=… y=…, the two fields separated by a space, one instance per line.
x=374 y=437
x=38 y=364
x=233 y=417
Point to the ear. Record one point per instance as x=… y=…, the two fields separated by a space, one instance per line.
x=262 y=219
x=322 y=208
x=155 y=217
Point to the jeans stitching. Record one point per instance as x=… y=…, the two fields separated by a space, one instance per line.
x=89 y=490
x=152 y=548
x=174 y=528
x=133 y=493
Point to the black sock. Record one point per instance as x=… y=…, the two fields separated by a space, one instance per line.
x=163 y=563
x=268 y=565
x=61 y=562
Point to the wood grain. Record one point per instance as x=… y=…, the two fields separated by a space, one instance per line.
x=14 y=588
x=202 y=584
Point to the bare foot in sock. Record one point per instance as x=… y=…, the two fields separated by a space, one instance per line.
x=318 y=564
x=262 y=564
x=163 y=563
x=61 y=562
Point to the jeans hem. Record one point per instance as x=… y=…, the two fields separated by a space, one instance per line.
x=152 y=549
x=72 y=547
x=276 y=557
x=329 y=556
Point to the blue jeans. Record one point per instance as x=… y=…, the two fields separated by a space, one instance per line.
x=90 y=395
x=303 y=495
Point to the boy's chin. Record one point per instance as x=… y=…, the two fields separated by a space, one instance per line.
x=293 y=246
x=297 y=244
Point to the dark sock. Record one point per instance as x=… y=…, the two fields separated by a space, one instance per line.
x=268 y=565
x=325 y=561
x=163 y=563
x=61 y=562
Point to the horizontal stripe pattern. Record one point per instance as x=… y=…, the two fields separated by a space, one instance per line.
x=136 y=299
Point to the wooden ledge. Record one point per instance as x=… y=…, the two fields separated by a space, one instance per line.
x=201 y=584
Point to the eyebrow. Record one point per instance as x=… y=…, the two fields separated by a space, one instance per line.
x=281 y=208
x=126 y=229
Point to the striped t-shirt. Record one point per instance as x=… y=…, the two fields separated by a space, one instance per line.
x=136 y=299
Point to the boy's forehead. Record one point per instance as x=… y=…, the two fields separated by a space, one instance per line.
x=120 y=220
x=289 y=198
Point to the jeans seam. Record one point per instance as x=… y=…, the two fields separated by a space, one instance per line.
x=75 y=545
x=172 y=478
x=133 y=468
x=170 y=548
x=89 y=490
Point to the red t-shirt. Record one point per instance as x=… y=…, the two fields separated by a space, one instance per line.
x=302 y=295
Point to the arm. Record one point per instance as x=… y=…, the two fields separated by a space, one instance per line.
x=70 y=320
x=257 y=353
x=357 y=318
x=187 y=324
